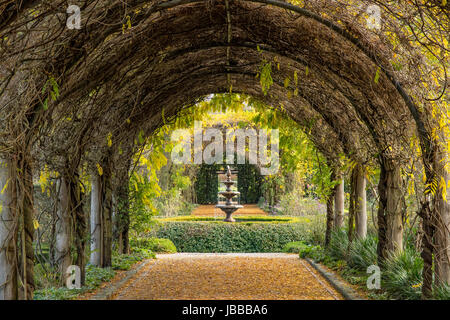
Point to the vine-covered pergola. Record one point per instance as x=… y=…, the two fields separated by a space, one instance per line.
x=71 y=97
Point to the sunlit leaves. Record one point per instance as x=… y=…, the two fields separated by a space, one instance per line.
x=49 y=91
x=265 y=76
x=99 y=169
x=377 y=76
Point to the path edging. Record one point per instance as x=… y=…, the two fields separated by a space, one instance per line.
x=347 y=292
x=106 y=292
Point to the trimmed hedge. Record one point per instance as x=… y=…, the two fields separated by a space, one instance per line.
x=231 y=237
x=154 y=245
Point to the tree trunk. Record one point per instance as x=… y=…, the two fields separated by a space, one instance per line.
x=360 y=203
x=339 y=205
x=390 y=220
x=106 y=221
x=79 y=215
x=442 y=223
x=330 y=219
x=8 y=236
x=63 y=231
x=96 y=222
x=122 y=216
x=394 y=203
x=427 y=249
x=26 y=199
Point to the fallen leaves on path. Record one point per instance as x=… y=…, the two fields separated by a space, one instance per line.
x=229 y=278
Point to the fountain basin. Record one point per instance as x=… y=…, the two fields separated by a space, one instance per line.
x=229 y=209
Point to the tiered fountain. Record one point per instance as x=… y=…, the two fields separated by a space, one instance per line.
x=229 y=207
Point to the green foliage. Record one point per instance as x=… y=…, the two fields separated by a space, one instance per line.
x=363 y=253
x=126 y=261
x=265 y=76
x=47 y=281
x=338 y=247
x=294 y=247
x=231 y=237
x=293 y=204
x=207 y=184
x=442 y=292
x=402 y=277
x=249 y=183
x=315 y=253
x=143 y=190
x=94 y=278
x=154 y=244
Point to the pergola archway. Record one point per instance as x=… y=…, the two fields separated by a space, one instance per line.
x=132 y=66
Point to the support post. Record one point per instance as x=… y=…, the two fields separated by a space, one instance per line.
x=360 y=202
x=8 y=235
x=96 y=221
x=63 y=230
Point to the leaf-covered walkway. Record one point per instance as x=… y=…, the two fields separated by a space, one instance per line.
x=232 y=276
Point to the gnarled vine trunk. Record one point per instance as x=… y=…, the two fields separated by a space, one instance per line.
x=25 y=193
x=390 y=218
x=339 y=205
x=122 y=217
x=442 y=223
x=106 y=212
x=330 y=218
x=101 y=220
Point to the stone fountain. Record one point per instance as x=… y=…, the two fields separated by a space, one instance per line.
x=229 y=207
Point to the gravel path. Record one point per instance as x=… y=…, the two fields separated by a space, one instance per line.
x=229 y=276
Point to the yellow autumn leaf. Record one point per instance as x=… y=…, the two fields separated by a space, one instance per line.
x=100 y=169
x=4 y=187
x=109 y=140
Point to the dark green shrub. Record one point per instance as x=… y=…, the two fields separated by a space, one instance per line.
x=227 y=237
x=363 y=253
x=294 y=247
x=154 y=244
x=338 y=246
x=315 y=253
x=126 y=261
x=442 y=293
x=402 y=275
x=207 y=184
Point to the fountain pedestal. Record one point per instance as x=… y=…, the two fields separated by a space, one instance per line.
x=229 y=207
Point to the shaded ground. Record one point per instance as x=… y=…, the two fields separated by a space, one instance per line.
x=231 y=276
x=211 y=210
